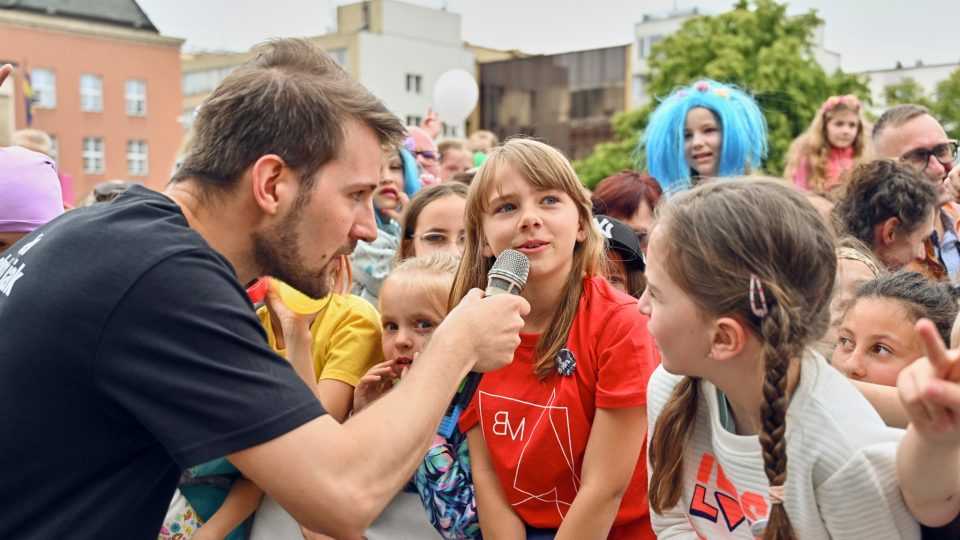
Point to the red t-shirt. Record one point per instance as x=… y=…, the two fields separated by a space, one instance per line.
x=537 y=432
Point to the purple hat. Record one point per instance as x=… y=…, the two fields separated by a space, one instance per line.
x=29 y=190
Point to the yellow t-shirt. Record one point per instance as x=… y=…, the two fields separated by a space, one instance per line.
x=346 y=338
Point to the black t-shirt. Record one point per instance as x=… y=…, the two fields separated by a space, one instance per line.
x=128 y=351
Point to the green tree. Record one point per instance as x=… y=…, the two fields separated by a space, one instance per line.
x=947 y=105
x=754 y=46
x=907 y=90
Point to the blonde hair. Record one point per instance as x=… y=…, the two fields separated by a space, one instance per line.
x=429 y=277
x=543 y=167
x=815 y=146
x=717 y=237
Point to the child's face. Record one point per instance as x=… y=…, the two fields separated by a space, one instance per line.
x=701 y=141
x=408 y=320
x=387 y=194
x=681 y=334
x=440 y=227
x=842 y=128
x=875 y=341
x=544 y=225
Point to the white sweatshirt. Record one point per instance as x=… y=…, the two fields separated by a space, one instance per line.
x=841 y=476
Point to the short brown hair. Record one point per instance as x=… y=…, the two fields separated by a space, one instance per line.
x=896 y=116
x=292 y=100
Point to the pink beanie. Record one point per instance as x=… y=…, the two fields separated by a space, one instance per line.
x=29 y=190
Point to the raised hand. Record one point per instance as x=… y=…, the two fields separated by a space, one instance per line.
x=930 y=388
x=376 y=382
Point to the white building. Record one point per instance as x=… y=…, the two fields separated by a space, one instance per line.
x=927 y=76
x=653 y=28
x=396 y=50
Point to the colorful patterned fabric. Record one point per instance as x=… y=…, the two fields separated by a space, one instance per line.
x=445 y=486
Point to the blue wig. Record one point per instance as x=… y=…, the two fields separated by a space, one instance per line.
x=411 y=183
x=742 y=125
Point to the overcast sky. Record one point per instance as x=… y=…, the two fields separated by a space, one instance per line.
x=868 y=35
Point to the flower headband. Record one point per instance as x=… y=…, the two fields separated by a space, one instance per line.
x=849 y=100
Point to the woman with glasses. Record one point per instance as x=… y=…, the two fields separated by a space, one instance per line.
x=433 y=222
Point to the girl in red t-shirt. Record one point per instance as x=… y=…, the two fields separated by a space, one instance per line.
x=556 y=439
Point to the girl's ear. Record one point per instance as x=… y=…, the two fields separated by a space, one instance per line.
x=729 y=339
x=581 y=232
x=887 y=231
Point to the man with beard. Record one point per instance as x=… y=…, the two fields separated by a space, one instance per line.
x=129 y=350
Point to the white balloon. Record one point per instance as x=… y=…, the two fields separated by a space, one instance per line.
x=455 y=95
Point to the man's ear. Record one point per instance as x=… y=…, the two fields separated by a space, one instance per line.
x=272 y=183
x=729 y=339
x=887 y=231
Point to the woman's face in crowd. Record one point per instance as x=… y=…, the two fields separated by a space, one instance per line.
x=440 y=227
x=907 y=247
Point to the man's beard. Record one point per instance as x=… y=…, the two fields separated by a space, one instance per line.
x=277 y=253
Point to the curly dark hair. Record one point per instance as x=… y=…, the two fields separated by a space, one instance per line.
x=922 y=298
x=879 y=190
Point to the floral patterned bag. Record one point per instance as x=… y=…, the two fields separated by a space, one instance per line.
x=181 y=521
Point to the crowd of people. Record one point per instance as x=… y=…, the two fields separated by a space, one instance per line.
x=266 y=349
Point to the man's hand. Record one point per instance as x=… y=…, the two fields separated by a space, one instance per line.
x=929 y=388
x=486 y=327
x=5 y=70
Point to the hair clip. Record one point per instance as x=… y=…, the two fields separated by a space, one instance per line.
x=408 y=144
x=756 y=292
x=777 y=494
x=702 y=86
x=722 y=92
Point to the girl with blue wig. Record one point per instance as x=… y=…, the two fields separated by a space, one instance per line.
x=706 y=130
x=371 y=261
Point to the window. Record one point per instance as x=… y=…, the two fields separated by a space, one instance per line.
x=44 y=83
x=137 y=158
x=93 y=155
x=414 y=120
x=136 y=97
x=413 y=83
x=91 y=93
x=202 y=82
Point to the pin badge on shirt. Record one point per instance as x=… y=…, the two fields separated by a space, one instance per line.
x=566 y=363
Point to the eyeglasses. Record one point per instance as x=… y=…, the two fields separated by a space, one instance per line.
x=429 y=155
x=436 y=239
x=945 y=153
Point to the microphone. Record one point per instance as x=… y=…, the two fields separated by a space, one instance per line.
x=507 y=276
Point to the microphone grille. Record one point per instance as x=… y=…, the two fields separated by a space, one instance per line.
x=514 y=262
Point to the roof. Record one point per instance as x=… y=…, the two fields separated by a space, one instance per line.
x=118 y=12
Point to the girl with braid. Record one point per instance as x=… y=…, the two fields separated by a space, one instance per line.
x=753 y=434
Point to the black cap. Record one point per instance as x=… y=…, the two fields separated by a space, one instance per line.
x=623 y=239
